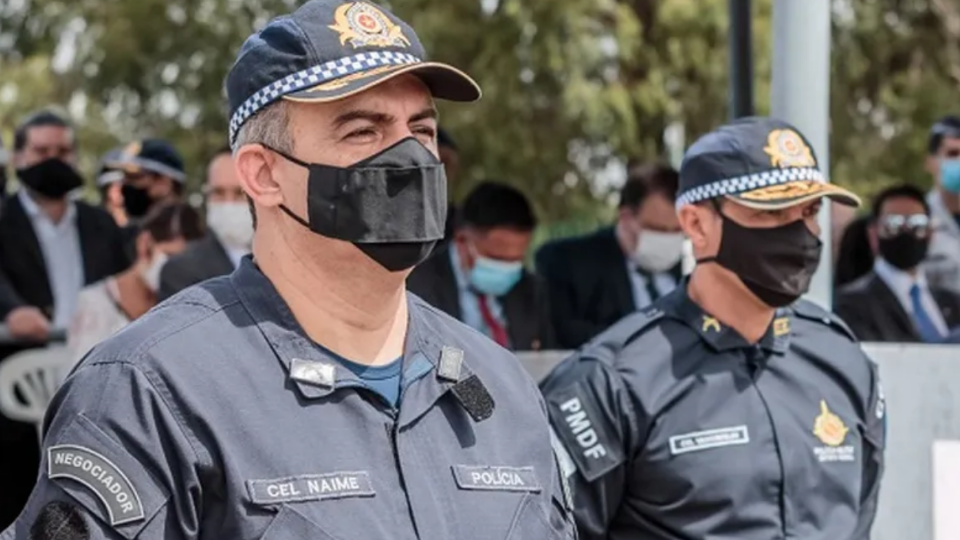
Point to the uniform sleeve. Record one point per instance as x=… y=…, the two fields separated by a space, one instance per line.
x=594 y=432
x=875 y=435
x=116 y=463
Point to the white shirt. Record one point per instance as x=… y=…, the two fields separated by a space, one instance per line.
x=901 y=282
x=96 y=318
x=663 y=282
x=942 y=264
x=60 y=245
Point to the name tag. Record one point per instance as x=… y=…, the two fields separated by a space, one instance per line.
x=496 y=478
x=99 y=475
x=310 y=487
x=711 y=438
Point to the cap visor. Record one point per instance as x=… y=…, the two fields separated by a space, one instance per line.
x=444 y=81
x=794 y=193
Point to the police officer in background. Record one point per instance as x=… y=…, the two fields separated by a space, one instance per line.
x=307 y=395
x=730 y=408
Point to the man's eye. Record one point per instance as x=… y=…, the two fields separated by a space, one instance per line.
x=362 y=132
x=426 y=131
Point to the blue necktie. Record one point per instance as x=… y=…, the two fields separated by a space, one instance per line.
x=928 y=331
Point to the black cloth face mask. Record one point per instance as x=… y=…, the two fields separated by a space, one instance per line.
x=904 y=251
x=136 y=201
x=392 y=205
x=52 y=178
x=776 y=264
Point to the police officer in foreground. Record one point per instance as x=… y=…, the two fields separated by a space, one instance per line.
x=307 y=395
x=729 y=408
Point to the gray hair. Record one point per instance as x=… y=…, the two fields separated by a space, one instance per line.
x=269 y=127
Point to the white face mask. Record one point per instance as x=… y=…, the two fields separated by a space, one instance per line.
x=232 y=223
x=658 y=251
x=151 y=274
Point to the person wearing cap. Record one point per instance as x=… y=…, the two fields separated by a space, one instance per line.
x=153 y=173
x=729 y=408
x=942 y=265
x=307 y=395
x=110 y=183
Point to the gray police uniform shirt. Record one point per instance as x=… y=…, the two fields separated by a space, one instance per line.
x=215 y=417
x=671 y=426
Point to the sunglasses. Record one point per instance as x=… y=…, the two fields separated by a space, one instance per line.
x=897 y=224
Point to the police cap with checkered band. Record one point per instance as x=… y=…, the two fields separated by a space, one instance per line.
x=758 y=162
x=328 y=50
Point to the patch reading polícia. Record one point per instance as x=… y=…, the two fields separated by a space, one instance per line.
x=99 y=475
x=310 y=487
x=491 y=478
x=584 y=432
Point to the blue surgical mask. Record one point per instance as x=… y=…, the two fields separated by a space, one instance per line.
x=950 y=175
x=493 y=277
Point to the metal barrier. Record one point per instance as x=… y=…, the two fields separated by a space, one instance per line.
x=921 y=485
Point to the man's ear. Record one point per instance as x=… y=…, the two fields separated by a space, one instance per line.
x=254 y=165
x=933 y=165
x=873 y=239
x=695 y=222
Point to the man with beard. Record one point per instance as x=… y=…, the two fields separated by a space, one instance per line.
x=730 y=407
x=307 y=395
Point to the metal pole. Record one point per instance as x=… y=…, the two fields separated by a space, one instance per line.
x=801 y=96
x=741 y=60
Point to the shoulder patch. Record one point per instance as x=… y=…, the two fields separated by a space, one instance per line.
x=812 y=312
x=103 y=477
x=584 y=432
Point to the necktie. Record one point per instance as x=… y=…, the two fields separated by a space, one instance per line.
x=497 y=331
x=928 y=331
x=651 y=287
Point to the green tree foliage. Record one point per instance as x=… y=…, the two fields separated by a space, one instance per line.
x=569 y=84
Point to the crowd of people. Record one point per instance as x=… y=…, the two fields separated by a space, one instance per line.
x=241 y=278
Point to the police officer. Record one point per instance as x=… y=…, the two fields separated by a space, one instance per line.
x=307 y=395
x=729 y=408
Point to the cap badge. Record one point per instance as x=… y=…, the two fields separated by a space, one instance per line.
x=828 y=427
x=133 y=149
x=363 y=25
x=787 y=149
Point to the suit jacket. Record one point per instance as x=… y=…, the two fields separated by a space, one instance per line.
x=23 y=271
x=588 y=285
x=525 y=306
x=874 y=313
x=202 y=260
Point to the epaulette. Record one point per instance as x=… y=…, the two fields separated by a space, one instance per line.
x=813 y=312
x=607 y=346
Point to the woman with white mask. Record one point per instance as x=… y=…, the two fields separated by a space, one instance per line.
x=107 y=306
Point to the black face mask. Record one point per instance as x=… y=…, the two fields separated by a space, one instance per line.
x=136 y=201
x=52 y=178
x=904 y=251
x=776 y=264
x=392 y=205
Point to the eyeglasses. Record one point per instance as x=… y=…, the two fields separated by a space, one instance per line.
x=897 y=224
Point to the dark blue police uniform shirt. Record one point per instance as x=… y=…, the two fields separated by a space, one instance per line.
x=215 y=417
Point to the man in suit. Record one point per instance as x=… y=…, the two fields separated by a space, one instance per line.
x=595 y=280
x=894 y=302
x=230 y=231
x=50 y=247
x=481 y=280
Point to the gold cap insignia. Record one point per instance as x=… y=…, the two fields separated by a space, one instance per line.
x=781 y=326
x=133 y=149
x=710 y=322
x=363 y=25
x=787 y=149
x=828 y=427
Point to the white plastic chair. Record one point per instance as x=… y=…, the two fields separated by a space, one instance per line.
x=28 y=380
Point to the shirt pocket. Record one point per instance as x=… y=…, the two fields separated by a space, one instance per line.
x=290 y=524
x=531 y=521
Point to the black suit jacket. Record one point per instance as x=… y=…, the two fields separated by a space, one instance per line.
x=873 y=312
x=525 y=307
x=588 y=285
x=202 y=260
x=23 y=271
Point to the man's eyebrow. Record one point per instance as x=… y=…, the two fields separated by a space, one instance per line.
x=362 y=114
x=429 y=113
